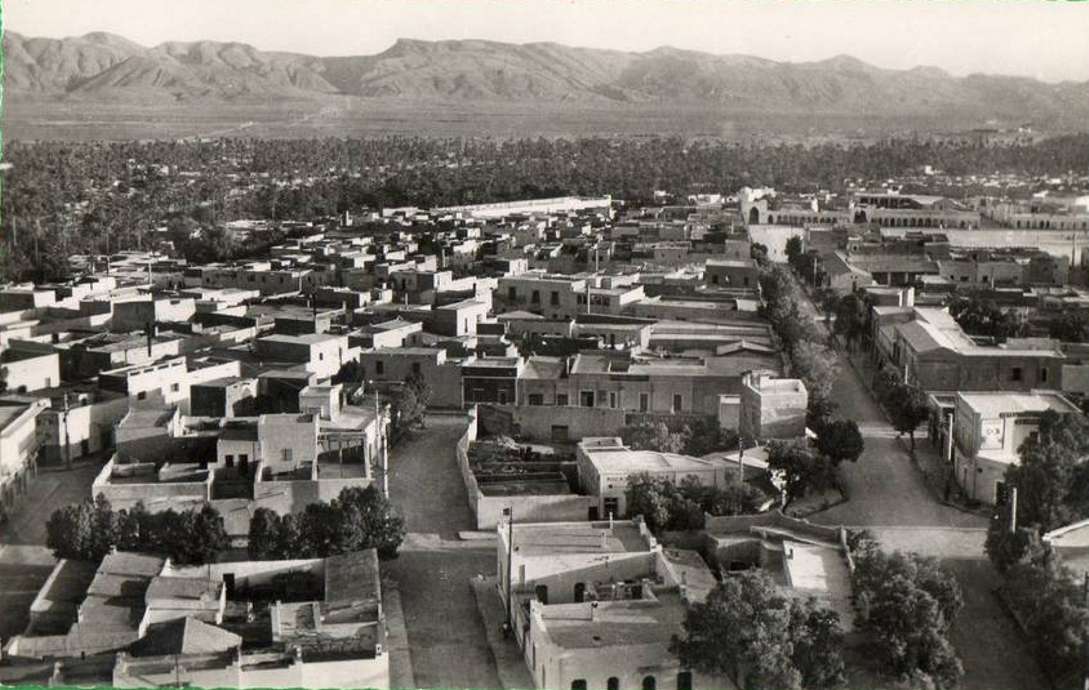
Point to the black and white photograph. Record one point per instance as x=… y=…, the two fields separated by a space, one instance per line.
x=544 y=344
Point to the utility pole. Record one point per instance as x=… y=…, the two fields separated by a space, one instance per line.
x=67 y=446
x=509 y=512
x=379 y=420
x=740 y=459
x=1013 y=510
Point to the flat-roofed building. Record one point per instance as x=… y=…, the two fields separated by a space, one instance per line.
x=597 y=604
x=322 y=354
x=930 y=350
x=988 y=430
x=742 y=273
x=605 y=465
x=772 y=408
x=19 y=444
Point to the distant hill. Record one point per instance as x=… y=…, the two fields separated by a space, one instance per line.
x=106 y=68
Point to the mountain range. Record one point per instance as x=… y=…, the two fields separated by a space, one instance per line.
x=103 y=67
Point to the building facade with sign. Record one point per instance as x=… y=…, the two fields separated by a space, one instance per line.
x=988 y=431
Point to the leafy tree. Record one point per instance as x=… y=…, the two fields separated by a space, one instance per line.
x=1052 y=478
x=657 y=437
x=371 y=521
x=840 y=440
x=818 y=644
x=409 y=404
x=89 y=530
x=802 y=469
x=205 y=534
x=906 y=604
x=908 y=408
x=794 y=250
x=849 y=320
x=650 y=497
x=886 y=383
x=759 y=253
x=70 y=532
x=1072 y=326
x=264 y=535
x=289 y=540
x=705 y=436
x=668 y=506
x=358 y=519
x=1050 y=601
x=1007 y=548
x=748 y=630
x=816 y=365
x=985 y=318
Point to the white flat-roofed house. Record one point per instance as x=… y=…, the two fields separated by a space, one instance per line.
x=989 y=428
x=605 y=465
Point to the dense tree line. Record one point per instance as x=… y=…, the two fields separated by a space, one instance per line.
x=89 y=530
x=906 y=605
x=750 y=631
x=96 y=196
x=1052 y=482
x=800 y=338
x=356 y=520
x=691 y=437
x=983 y=317
x=677 y=507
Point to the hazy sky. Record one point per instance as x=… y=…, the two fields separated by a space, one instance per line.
x=1047 y=39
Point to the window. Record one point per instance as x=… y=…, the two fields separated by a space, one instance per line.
x=586 y=399
x=379 y=368
x=1015 y=374
x=512 y=294
x=561 y=399
x=416 y=368
x=613 y=683
x=554 y=300
x=228 y=460
x=541 y=591
x=644 y=402
x=1043 y=375
x=536 y=399
x=535 y=298
x=502 y=397
x=678 y=402
x=649 y=683
x=684 y=680
x=142 y=395
x=612 y=506
x=288 y=455
x=612 y=400
x=175 y=387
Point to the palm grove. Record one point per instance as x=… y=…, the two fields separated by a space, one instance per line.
x=106 y=197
